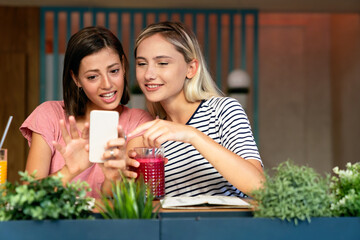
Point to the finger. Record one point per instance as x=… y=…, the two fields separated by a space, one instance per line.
x=64 y=131
x=133 y=163
x=130 y=174
x=118 y=164
x=121 y=132
x=122 y=166
x=85 y=131
x=58 y=147
x=73 y=129
x=162 y=138
x=112 y=153
x=132 y=153
x=118 y=142
x=156 y=136
x=142 y=128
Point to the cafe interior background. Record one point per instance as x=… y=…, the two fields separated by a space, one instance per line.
x=294 y=65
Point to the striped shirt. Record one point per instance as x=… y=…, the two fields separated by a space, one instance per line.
x=187 y=172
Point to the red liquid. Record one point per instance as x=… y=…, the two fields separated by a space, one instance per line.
x=152 y=169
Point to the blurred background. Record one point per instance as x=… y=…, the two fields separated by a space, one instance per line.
x=293 y=65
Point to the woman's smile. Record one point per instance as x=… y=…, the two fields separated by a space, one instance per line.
x=109 y=97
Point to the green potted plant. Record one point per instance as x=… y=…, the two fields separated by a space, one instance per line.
x=345 y=191
x=45 y=209
x=293 y=193
x=44 y=199
x=131 y=199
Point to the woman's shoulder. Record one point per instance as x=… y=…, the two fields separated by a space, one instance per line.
x=136 y=114
x=221 y=102
x=57 y=106
x=44 y=119
x=130 y=118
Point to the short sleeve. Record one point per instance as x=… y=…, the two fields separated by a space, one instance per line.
x=44 y=120
x=235 y=129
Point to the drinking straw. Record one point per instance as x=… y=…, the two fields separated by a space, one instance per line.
x=5 y=132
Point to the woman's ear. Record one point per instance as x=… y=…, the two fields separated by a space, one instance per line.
x=75 y=79
x=192 y=68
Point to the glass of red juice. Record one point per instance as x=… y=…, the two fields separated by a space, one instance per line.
x=151 y=168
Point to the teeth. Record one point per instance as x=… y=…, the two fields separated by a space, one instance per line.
x=152 y=86
x=108 y=95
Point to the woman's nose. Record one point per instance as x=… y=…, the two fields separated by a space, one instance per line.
x=106 y=83
x=150 y=73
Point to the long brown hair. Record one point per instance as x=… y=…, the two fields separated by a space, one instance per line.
x=87 y=41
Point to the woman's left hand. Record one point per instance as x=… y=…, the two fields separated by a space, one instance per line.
x=158 y=131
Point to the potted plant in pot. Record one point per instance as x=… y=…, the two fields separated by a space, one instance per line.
x=65 y=211
x=44 y=199
x=297 y=202
x=131 y=199
x=130 y=210
x=345 y=191
x=294 y=193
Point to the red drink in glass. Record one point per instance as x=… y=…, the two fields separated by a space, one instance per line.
x=152 y=169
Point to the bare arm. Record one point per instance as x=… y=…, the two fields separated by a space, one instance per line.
x=39 y=160
x=39 y=157
x=245 y=175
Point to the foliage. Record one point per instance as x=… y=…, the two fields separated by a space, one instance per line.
x=43 y=199
x=345 y=190
x=131 y=200
x=293 y=193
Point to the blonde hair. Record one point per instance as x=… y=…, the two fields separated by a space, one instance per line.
x=201 y=86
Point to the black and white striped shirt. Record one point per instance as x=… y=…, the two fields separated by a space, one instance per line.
x=187 y=172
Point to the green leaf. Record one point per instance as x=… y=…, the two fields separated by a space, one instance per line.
x=295 y=193
x=130 y=200
x=42 y=199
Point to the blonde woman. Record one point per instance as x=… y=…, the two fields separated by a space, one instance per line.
x=207 y=137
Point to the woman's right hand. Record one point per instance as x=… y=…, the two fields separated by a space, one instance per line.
x=119 y=159
x=76 y=149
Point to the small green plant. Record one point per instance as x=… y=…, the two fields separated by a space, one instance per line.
x=293 y=193
x=46 y=198
x=345 y=190
x=131 y=200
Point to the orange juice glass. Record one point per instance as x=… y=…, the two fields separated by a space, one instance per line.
x=3 y=165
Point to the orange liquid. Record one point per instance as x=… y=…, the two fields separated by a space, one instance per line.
x=3 y=171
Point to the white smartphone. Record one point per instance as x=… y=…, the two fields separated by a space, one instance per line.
x=103 y=127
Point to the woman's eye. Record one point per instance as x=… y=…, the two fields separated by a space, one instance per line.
x=91 y=77
x=163 y=63
x=141 y=63
x=115 y=70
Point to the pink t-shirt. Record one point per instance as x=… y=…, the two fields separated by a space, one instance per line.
x=44 y=120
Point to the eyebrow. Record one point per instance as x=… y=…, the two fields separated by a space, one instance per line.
x=97 y=70
x=157 y=57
